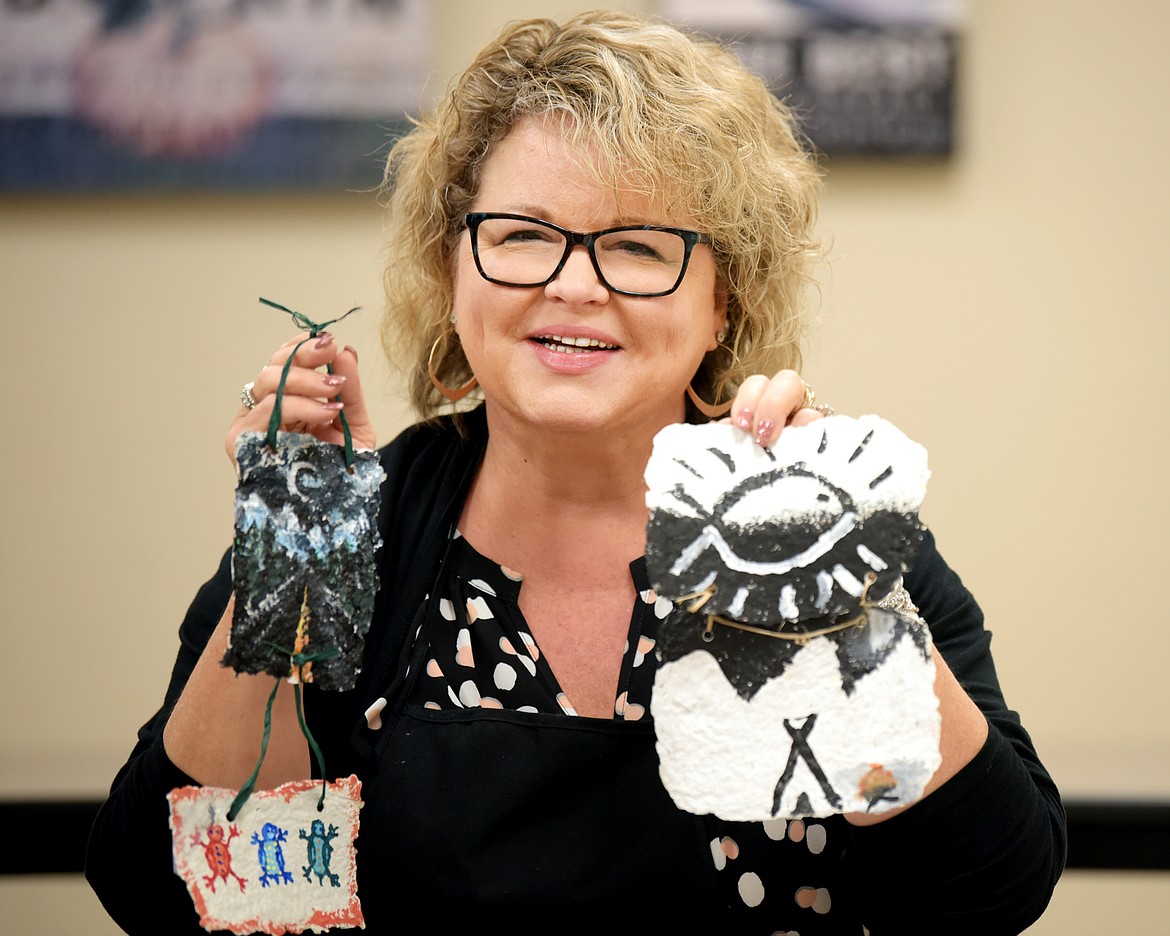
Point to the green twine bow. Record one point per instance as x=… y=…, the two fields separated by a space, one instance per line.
x=298 y=661
x=305 y=323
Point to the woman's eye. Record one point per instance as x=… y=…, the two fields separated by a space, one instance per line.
x=526 y=235
x=635 y=248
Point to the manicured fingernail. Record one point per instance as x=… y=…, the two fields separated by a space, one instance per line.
x=352 y=351
x=324 y=340
x=334 y=380
x=744 y=420
x=764 y=431
x=334 y=405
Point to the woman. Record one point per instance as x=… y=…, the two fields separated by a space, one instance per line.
x=513 y=779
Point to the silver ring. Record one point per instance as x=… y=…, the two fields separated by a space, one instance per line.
x=825 y=410
x=246 y=397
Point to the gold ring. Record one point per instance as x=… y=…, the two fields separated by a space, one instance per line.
x=810 y=397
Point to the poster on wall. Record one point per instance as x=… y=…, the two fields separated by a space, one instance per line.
x=206 y=94
x=864 y=76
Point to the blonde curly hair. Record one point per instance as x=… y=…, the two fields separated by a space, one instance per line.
x=671 y=115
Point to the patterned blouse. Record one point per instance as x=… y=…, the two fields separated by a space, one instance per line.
x=485 y=657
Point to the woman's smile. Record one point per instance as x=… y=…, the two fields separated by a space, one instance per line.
x=568 y=345
x=573 y=350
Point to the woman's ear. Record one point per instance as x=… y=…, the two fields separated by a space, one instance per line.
x=720 y=319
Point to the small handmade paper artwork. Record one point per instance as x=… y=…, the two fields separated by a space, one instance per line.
x=303 y=564
x=282 y=866
x=795 y=677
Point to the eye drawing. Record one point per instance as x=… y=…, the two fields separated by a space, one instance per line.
x=791 y=543
x=733 y=535
x=778 y=562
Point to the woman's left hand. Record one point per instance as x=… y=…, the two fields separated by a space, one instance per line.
x=763 y=407
x=312 y=400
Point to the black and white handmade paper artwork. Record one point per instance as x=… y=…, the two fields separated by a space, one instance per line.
x=303 y=564
x=795 y=677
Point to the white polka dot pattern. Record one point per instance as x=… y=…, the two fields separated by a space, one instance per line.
x=504 y=676
x=751 y=889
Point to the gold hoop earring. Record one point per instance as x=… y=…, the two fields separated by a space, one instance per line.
x=453 y=395
x=714 y=411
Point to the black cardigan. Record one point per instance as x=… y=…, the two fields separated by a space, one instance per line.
x=980 y=855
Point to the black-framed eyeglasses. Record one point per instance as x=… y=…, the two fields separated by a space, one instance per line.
x=636 y=260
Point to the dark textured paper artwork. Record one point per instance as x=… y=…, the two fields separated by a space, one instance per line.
x=303 y=565
x=795 y=677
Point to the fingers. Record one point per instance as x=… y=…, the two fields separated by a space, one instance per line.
x=763 y=406
x=352 y=397
x=304 y=378
x=312 y=399
x=297 y=414
x=308 y=395
x=805 y=416
x=300 y=382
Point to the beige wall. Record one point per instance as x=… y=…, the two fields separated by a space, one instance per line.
x=1008 y=308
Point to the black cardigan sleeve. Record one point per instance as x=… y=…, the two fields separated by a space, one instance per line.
x=134 y=820
x=980 y=855
x=427 y=467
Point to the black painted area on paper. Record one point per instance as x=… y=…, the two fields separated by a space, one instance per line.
x=748 y=660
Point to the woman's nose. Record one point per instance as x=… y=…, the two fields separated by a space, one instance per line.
x=578 y=280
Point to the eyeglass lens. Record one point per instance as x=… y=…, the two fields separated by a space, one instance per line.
x=526 y=253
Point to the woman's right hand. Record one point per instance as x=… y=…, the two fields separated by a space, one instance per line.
x=313 y=399
x=763 y=406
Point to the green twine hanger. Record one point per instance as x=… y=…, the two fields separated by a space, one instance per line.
x=298 y=661
x=305 y=323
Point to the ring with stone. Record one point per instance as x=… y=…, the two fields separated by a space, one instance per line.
x=246 y=397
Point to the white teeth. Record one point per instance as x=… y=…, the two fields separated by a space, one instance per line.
x=568 y=344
